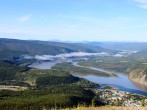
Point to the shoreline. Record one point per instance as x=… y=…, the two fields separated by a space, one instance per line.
x=120 y=87
x=143 y=86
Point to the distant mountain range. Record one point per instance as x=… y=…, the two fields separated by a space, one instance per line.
x=137 y=46
x=12 y=47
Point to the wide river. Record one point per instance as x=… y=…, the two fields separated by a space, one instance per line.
x=122 y=82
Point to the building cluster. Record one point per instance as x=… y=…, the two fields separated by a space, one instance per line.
x=120 y=98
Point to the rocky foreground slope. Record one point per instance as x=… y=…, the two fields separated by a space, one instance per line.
x=112 y=108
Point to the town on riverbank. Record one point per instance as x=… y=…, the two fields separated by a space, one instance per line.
x=117 y=97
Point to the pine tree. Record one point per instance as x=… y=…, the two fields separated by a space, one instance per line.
x=143 y=102
x=93 y=102
x=117 y=103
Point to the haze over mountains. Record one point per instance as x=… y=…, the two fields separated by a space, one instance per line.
x=12 y=47
x=137 y=46
x=63 y=54
x=48 y=50
x=128 y=58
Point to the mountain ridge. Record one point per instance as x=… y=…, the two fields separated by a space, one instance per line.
x=13 y=47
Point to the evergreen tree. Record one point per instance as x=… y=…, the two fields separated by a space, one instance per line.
x=143 y=102
x=93 y=102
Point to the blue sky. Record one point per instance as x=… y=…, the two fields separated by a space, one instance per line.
x=74 y=20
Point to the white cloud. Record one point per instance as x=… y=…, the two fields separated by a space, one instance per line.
x=25 y=18
x=67 y=55
x=141 y=3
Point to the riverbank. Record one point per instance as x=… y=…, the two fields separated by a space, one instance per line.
x=142 y=86
x=121 y=82
x=114 y=97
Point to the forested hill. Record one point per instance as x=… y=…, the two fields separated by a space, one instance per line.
x=13 y=47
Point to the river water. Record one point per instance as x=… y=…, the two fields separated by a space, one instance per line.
x=122 y=82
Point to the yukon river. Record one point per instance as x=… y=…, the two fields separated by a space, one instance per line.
x=122 y=82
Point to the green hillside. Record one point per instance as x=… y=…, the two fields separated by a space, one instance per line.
x=42 y=89
x=12 y=47
x=80 y=70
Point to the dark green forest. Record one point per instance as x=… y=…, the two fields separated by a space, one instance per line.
x=46 y=89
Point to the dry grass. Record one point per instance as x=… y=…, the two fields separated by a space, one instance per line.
x=111 y=108
x=13 y=88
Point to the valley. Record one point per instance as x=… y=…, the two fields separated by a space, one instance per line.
x=49 y=79
x=73 y=55
x=134 y=68
x=98 y=75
